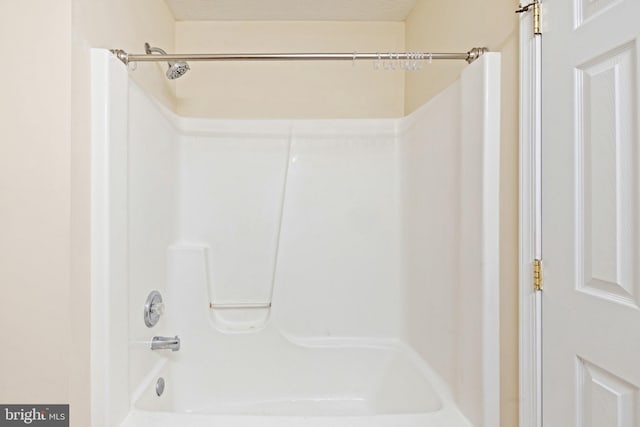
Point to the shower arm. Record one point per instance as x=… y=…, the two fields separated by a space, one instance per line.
x=469 y=56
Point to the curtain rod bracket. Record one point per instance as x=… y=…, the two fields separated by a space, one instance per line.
x=121 y=55
x=476 y=53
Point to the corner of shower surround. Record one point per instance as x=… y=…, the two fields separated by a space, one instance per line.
x=449 y=162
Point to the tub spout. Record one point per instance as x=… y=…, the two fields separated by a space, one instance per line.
x=165 y=343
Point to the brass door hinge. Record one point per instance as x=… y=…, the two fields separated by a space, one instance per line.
x=537 y=275
x=535 y=7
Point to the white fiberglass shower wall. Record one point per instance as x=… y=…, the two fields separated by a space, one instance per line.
x=317 y=272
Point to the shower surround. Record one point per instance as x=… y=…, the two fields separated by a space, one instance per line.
x=367 y=250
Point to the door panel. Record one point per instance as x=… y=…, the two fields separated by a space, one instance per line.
x=590 y=213
x=606 y=181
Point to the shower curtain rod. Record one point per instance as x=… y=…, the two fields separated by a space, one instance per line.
x=469 y=56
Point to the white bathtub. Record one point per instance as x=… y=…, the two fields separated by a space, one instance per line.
x=268 y=380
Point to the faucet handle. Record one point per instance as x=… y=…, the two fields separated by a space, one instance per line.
x=153 y=309
x=157 y=308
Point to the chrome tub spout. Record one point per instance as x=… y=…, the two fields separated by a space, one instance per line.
x=165 y=343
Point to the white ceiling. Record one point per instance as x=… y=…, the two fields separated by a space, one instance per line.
x=290 y=10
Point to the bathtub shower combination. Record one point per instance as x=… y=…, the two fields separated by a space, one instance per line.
x=295 y=272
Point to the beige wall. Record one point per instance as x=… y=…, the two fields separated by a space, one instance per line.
x=290 y=89
x=509 y=179
x=458 y=25
x=35 y=108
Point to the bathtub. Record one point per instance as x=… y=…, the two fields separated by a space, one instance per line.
x=271 y=380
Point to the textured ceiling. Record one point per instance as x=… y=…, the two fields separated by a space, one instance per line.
x=290 y=10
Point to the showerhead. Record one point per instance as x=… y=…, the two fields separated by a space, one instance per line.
x=176 y=69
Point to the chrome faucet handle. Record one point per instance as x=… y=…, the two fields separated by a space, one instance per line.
x=153 y=309
x=157 y=308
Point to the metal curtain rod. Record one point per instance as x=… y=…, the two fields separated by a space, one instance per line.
x=470 y=56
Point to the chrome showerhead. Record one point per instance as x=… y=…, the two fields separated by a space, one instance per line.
x=176 y=69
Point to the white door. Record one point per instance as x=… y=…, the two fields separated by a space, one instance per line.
x=591 y=213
